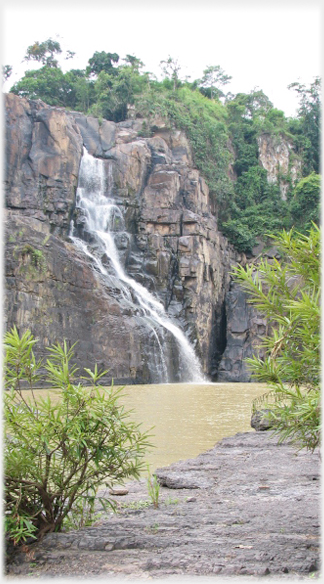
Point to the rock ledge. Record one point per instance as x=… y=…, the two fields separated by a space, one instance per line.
x=246 y=507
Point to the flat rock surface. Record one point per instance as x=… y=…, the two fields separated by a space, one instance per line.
x=248 y=507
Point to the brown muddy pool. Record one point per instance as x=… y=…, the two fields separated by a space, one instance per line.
x=187 y=418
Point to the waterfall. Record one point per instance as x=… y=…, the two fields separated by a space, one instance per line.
x=103 y=224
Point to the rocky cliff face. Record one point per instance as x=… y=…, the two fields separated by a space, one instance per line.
x=174 y=249
x=245 y=329
x=277 y=157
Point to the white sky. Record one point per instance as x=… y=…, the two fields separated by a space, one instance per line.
x=261 y=44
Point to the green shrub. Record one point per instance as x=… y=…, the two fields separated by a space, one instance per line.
x=58 y=454
x=288 y=294
x=37 y=259
x=305 y=203
x=239 y=234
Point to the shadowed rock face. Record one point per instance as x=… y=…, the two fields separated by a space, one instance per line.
x=175 y=248
x=244 y=331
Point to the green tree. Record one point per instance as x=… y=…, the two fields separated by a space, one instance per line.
x=310 y=123
x=71 y=90
x=79 y=90
x=213 y=79
x=134 y=62
x=250 y=105
x=258 y=103
x=56 y=455
x=171 y=68
x=243 y=134
x=44 y=52
x=47 y=84
x=288 y=294
x=114 y=93
x=102 y=62
x=239 y=234
x=251 y=187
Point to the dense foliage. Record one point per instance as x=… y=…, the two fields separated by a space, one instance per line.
x=223 y=130
x=58 y=452
x=305 y=202
x=288 y=294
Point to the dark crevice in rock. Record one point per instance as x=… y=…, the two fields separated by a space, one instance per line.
x=181 y=224
x=219 y=339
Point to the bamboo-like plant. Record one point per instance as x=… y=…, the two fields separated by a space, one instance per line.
x=58 y=454
x=288 y=294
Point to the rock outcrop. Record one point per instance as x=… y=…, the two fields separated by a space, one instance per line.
x=175 y=248
x=277 y=157
x=260 y=420
x=43 y=152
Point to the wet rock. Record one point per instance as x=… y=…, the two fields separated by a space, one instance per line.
x=63 y=297
x=97 y=137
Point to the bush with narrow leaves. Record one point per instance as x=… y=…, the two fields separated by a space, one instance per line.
x=288 y=294
x=57 y=453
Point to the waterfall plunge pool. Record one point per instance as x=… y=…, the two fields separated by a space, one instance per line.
x=188 y=418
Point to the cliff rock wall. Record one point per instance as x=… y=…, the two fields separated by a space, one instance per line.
x=175 y=248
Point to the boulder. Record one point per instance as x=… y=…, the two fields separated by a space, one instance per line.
x=260 y=420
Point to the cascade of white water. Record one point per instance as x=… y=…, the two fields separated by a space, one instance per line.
x=103 y=219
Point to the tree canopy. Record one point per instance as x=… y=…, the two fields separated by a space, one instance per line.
x=213 y=79
x=44 y=52
x=310 y=124
x=102 y=62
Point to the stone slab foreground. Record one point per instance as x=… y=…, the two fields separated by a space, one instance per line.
x=246 y=508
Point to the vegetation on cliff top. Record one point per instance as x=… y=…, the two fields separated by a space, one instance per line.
x=223 y=130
